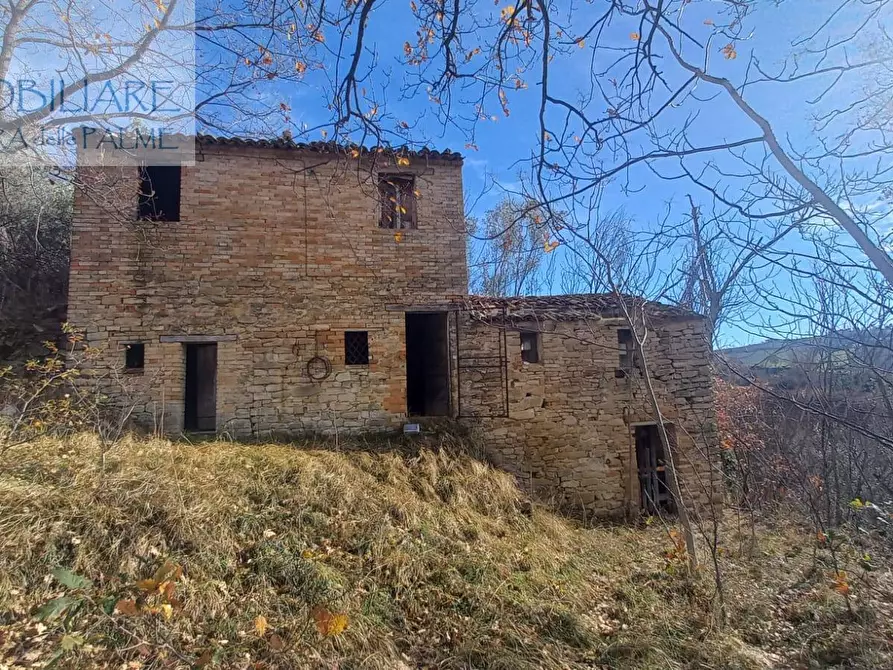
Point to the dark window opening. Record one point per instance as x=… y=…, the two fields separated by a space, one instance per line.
x=398 y=201
x=627 y=347
x=134 y=356
x=159 y=196
x=427 y=364
x=200 y=407
x=530 y=347
x=654 y=490
x=356 y=347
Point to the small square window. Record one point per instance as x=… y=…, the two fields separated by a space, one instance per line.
x=530 y=346
x=134 y=356
x=356 y=347
x=159 y=196
x=398 y=201
x=626 y=345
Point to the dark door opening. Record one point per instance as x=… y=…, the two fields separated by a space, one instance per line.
x=427 y=364
x=200 y=410
x=654 y=490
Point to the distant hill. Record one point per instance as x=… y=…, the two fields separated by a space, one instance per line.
x=859 y=347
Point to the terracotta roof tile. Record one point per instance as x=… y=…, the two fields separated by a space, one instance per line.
x=569 y=307
x=326 y=147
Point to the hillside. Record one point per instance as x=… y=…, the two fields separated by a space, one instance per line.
x=779 y=354
x=268 y=556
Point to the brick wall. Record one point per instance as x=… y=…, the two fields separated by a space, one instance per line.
x=281 y=251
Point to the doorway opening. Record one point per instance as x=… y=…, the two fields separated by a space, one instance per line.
x=654 y=491
x=200 y=409
x=427 y=364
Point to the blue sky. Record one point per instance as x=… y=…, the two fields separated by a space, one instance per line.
x=504 y=143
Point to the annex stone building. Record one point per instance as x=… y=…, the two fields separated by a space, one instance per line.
x=276 y=288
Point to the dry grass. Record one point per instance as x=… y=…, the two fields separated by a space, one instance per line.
x=435 y=558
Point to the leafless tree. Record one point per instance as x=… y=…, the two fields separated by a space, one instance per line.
x=648 y=76
x=507 y=249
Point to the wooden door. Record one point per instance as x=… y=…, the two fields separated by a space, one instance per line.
x=653 y=489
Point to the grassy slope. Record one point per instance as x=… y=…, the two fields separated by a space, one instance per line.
x=435 y=558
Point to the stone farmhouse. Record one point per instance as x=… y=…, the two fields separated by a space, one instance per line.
x=277 y=288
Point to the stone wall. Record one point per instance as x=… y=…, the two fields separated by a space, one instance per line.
x=277 y=253
x=571 y=419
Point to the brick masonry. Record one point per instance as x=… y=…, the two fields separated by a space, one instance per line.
x=278 y=252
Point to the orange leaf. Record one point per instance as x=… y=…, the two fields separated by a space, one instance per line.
x=328 y=623
x=635 y=37
x=260 y=625
x=127 y=607
x=840 y=583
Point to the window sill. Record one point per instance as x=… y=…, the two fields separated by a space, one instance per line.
x=134 y=371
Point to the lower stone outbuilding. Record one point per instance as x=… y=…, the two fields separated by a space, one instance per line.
x=574 y=411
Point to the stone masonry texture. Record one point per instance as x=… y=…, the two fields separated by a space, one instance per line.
x=278 y=252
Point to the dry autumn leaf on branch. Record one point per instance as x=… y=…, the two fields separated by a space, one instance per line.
x=729 y=51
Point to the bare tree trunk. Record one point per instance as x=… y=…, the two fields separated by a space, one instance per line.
x=669 y=449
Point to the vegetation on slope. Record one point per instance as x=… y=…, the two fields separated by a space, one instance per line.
x=270 y=556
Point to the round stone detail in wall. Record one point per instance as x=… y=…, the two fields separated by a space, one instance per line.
x=318 y=368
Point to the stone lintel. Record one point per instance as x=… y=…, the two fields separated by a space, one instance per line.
x=197 y=339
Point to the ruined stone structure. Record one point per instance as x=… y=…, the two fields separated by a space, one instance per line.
x=579 y=422
x=275 y=288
